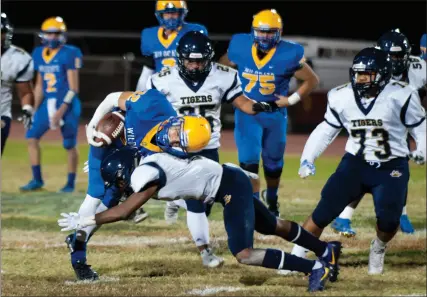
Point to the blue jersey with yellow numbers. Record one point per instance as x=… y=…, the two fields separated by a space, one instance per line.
x=163 y=50
x=52 y=64
x=262 y=78
x=144 y=111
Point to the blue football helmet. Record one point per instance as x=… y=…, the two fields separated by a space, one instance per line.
x=371 y=61
x=195 y=46
x=398 y=47
x=117 y=167
x=6 y=32
x=179 y=7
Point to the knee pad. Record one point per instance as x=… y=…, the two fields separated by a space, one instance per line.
x=273 y=173
x=69 y=143
x=254 y=168
x=388 y=225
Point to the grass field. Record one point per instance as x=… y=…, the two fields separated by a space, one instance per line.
x=155 y=259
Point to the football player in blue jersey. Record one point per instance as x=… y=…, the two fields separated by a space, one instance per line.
x=144 y=112
x=158 y=44
x=423 y=46
x=266 y=64
x=57 y=103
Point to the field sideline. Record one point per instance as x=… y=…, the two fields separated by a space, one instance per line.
x=155 y=259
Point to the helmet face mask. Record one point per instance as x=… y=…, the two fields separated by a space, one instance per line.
x=194 y=54
x=6 y=32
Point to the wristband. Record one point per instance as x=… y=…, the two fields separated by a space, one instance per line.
x=28 y=108
x=294 y=98
x=69 y=97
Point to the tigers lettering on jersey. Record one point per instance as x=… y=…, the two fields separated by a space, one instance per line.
x=221 y=85
x=377 y=132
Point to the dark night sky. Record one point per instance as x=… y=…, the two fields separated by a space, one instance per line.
x=349 y=20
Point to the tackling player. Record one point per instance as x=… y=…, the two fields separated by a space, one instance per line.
x=405 y=68
x=16 y=71
x=266 y=64
x=171 y=176
x=199 y=86
x=144 y=112
x=57 y=104
x=377 y=113
x=158 y=44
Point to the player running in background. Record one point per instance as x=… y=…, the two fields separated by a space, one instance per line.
x=377 y=113
x=158 y=44
x=405 y=68
x=57 y=105
x=199 y=86
x=266 y=64
x=16 y=71
x=171 y=175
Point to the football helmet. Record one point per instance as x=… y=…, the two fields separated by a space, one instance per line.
x=54 y=25
x=264 y=23
x=398 y=47
x=179 y=7
x=6 y=31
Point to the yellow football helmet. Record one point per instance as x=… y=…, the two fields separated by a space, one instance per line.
x=264 y=24
x=171 y=7
x=53 y=25
x=192 y=134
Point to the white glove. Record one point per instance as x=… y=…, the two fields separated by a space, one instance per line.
x=418 y=157
x=86 y=167
x=91 y=133
x=73 y=221
x=306 y=169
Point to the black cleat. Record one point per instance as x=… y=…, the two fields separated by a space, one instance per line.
x=84 y=272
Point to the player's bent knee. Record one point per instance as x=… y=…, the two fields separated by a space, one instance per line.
x=273 y=172
x=196 y=206
x=254 y=168
x=69 y=143
x=388 y=225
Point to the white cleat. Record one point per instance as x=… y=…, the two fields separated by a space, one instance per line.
x=140 y=215
x=210 y=260
x=376 y=259
x=171 y=212
x=287 y=272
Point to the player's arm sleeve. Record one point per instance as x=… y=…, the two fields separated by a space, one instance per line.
x=26 y=73
x=144 y=79
x=299 y=59
x=412 y=113
x=75 y=61
x=147 y=175
x=234 y=91
x=318 y=141
x=233 y=49
x=145 y=45
x=332 y=117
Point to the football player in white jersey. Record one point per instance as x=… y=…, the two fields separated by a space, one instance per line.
x=172 y=176
x=377 y=113
x=196 y=85
x=16 y=71
x=408 y=69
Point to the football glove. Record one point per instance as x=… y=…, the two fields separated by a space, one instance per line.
x=418 y=157
x=264 y=107
x=26 y=116
x=306 y=169
x=73 y=221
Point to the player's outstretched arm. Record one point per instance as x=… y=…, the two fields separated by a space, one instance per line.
x=317 y=142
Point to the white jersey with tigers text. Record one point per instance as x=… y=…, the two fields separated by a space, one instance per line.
x=378 y=130
x=221 y=85
x=16 y=66
x=196 y=178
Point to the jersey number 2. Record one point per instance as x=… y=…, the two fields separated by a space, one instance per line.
x=383 y=141
x=266 y=82
x=50 y=79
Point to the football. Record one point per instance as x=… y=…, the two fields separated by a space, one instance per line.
x=110 y=127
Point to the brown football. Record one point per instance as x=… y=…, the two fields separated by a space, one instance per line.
x=111 y=127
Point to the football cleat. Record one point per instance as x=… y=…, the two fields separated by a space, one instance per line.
x=406 y=225
x=171 y=212
x=67 y=189
x=376 y=259
x=274 y=209
x=140 y=215
x=343 y=227
x=84 y=272
x=318 y=278
x=33 y=185
x=210 y=260
x=331 y=259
